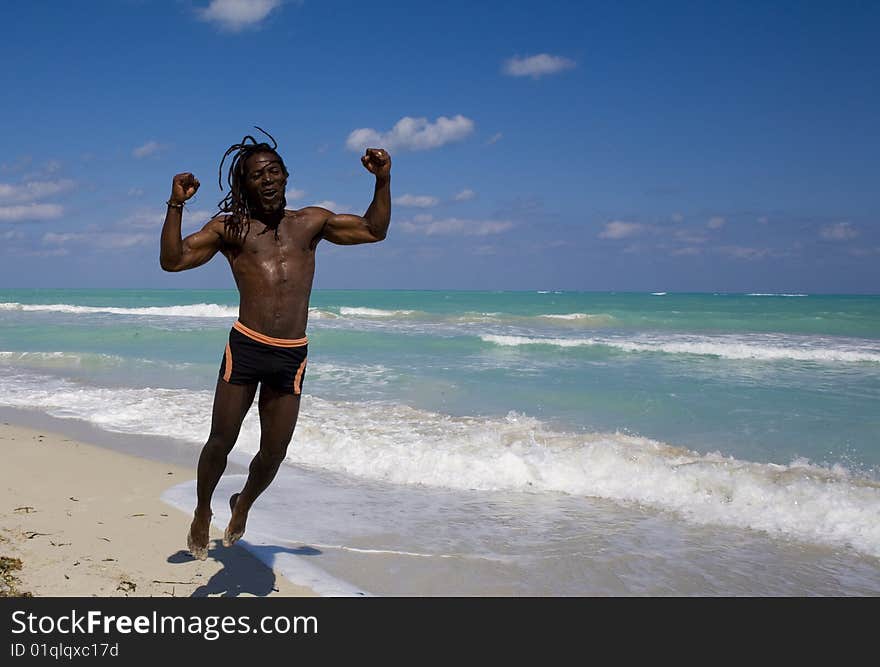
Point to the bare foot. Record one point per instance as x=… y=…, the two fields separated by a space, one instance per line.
x=197 y=539
x=236 y=526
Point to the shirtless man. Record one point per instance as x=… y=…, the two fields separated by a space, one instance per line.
x=271 y=252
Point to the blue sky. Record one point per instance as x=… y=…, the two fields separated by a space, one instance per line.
x=553 y=145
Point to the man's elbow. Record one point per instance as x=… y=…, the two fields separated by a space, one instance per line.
x=169 y=266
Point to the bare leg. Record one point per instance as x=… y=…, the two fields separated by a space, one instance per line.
x=278 y=414
x=231 y=403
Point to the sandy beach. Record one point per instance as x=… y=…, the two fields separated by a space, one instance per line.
x=88 y=521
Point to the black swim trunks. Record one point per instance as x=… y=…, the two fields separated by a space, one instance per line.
x=253 y=357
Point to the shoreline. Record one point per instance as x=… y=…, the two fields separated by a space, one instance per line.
x=88 y=520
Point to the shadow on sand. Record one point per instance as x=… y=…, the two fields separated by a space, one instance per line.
x=242 y=572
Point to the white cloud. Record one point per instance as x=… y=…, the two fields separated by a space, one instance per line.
x=32 y=190
x=537 y=66
x=30 y=212
x=465 y=195
x=740 y=252
x=689 y=251
x=152 y=219
x=865 y=252
x=415 y=134
x=135 y=192
x=419 y=201
x=330 y=205
x=292 y=193
x=149 y=148
x=840 y=231
x=54 y=252
x=60 y=239
x=677 y=217
x=429 y=227
x=717 y=222
x=621 y=230
x=495 y=138
x=12 y=234
x=100 y=239
x=236 y=15
x=126 y=240
x=688 y=236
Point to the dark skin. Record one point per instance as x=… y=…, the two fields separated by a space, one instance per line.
x=274 y=278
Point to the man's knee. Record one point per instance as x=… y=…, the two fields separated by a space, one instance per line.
x=273 y=456
x=219 y=444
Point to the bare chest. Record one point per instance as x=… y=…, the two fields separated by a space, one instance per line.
x=276 y=259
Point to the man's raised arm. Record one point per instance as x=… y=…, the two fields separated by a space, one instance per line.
x=177 y=254
x=346 y=229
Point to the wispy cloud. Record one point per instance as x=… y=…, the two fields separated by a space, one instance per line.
x=418 y=201
x=292 y=193
x=415 y=134
x=428 y=226
x=31 y=191
x=100 y=239
x=59 y=239
x=686 y=252
x=153 y=219
x=331 y=205
x=495 y=138
x=12 y=235
x=24 y=212
x=839 y=231
x=537 y=66
x=466 y=195
x=236 y=15
x=621 y=230
x=717 y=222
x=147 y=149
x=741 y=252
x=690 y=236
x=865 y=252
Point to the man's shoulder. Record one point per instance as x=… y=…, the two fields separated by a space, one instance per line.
x=309 y=212
x=308 y=215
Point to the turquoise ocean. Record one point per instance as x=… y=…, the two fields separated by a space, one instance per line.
x=511 y=443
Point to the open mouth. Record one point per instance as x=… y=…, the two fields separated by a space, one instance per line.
x=269 y=194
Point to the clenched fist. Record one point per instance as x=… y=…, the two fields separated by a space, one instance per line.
x=377 y=162
x=183 y=187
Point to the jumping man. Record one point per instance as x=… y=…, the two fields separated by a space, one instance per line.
x=271 y=252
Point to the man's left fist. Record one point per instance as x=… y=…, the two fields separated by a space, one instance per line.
x=377 y=162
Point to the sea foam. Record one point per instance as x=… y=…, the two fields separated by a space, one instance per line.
x=397 y=444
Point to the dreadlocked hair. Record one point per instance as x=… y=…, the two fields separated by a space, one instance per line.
x=235 y=202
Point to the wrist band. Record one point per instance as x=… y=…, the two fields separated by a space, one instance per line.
x=173 y=205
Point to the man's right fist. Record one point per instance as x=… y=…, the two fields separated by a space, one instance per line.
x=183 y=187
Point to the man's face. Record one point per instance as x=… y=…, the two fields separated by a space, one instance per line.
x=264 y=181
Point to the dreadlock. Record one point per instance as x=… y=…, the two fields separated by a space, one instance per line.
x=235 y=201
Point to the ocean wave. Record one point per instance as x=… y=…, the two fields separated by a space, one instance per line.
x=725 y=349
x=580 y=318
x=190 y=310
x=397 y=444
x=374 y=312
x=62 y=359
x=774 y=294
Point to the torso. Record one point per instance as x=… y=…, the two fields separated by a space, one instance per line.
x=274 y=275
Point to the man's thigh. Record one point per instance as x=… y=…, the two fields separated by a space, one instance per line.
x=279 y=411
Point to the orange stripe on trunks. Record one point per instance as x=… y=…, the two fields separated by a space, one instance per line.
x=227 y=373
x=297 y=381
x=269 y=340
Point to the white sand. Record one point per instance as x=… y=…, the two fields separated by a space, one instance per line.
x=88 y=521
